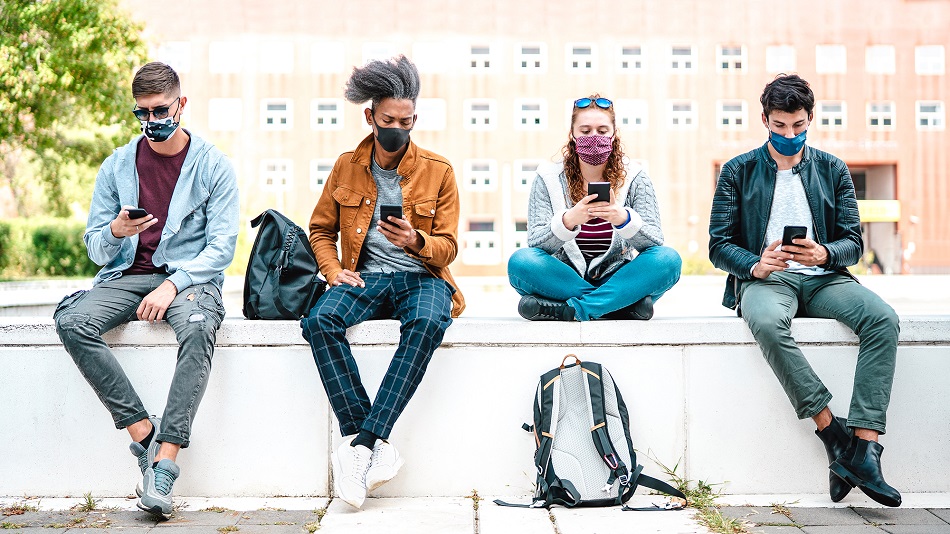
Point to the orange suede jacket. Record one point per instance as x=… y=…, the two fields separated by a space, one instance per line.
x=345 y=209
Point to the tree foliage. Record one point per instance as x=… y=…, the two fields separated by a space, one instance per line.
x=65 y=74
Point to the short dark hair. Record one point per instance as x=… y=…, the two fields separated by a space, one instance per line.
x=394 y=78
x=155 y=78
x=788 y=93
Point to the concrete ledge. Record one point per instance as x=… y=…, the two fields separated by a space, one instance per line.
x=698 y=391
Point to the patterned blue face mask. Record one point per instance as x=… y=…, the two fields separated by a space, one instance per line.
x=160 y=130
x=787 y=146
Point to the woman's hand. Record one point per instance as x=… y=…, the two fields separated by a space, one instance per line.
x=610 y=212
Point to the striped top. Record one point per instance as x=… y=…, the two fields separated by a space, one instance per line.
x=594 y=238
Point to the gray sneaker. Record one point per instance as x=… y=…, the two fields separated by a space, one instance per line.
x=146 y=456
x=157 y=497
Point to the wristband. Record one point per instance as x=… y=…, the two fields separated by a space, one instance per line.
x=625 y=223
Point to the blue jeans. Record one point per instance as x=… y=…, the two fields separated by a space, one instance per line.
x=195 y=315
x=653 y=272
x=423 y=305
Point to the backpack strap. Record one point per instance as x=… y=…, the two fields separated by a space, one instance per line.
x=599 y=435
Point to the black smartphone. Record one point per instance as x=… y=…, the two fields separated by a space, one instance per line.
x=389 y=210
x=601 y=189
x=793 y=232
x=136 y=213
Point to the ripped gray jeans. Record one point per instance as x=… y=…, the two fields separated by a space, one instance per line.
x=195 y=315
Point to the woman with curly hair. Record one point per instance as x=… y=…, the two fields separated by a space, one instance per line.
x=589 y=258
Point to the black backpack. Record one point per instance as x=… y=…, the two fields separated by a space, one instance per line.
x=281 y=281
x=584 y=454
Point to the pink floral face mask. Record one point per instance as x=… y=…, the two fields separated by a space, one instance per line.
x=594 y=149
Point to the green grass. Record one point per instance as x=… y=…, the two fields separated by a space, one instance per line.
x=701 y=496
x=87 y=504
x=17 y=508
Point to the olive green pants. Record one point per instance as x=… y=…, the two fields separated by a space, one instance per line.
x=768 y=307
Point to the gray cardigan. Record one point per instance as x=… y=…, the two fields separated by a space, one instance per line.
x=550 y=199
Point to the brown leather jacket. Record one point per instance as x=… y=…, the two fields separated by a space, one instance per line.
x=346 y=207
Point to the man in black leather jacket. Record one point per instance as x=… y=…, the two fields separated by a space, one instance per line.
x=786 y=183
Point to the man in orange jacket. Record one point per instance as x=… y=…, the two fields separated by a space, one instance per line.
x=392 y=266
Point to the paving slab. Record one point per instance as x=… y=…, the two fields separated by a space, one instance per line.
x=612 y=520
x=899 y=516
x=758 y=515
x=38 y=530
x=843 y=529
x=775 y=530
x=942 y=513
x=825 y=516
x=203 y=518
x=417 y=515
x=495 y=519
x=917 y=529
x=276 y=517
x=38 y=519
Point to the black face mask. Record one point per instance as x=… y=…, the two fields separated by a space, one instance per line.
x=391 y=139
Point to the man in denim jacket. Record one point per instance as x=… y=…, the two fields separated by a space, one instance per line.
x=166 y=263
x=786 y=183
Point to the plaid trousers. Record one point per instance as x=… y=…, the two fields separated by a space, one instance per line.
x=423 y=305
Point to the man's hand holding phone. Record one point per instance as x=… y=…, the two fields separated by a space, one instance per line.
x=131 y=221
x=801 y=249
x=397 y=229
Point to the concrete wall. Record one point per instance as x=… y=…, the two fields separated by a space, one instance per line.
x=698 y=390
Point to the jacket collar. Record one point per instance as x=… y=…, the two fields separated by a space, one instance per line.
x=797 y=169
x=364 y=153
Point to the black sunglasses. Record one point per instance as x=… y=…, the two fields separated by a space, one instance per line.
x=160 y=112
x=602 y=103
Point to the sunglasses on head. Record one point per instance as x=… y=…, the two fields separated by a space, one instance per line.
x=160 y=112
x=602 y=103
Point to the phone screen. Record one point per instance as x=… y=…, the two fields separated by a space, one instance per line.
x=387 y=210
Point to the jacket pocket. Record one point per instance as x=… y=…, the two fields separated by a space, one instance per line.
x=423 y=215
x=350 y=202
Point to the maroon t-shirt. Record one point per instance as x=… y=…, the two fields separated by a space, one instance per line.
x=158 y=175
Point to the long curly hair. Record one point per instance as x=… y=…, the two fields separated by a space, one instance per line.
x=614 y=171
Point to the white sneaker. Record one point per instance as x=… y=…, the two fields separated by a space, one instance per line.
x=349 y=472
x=384 y=465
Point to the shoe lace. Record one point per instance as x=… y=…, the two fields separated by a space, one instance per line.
x=143 y=460
x=377 y=454
x=550 y=310
x=164 y=480
x=361 y=463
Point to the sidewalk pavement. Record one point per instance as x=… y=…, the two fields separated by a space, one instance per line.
x=778 y=514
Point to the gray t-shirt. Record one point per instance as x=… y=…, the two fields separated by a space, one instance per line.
x=379 y=254
x=790 y=208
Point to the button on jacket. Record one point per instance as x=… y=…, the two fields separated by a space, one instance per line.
x=430 y=204
x=743 y=202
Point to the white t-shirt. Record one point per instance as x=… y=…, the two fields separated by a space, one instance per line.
x=790 y=208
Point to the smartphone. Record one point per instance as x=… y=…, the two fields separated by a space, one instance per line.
x=601 y=189
x=793 y=232
x=136 y=213
x=387 y=210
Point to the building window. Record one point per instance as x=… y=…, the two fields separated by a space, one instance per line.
x=631 y=59
x=319 y=172
x=430 y=57
x=225 y=57
x=531 y=114
x=176 y=54
x=480 y=114
x=531 y=57
x=730 y=58
x=832 y=115
x=430 y=114
x=326 y=114
x=880 y=59
x=277 y=174
x=881 y=115
x=831 y=59
x=682 y=115
x=480 y=174
x=277 y=114
x=525 y=172
x=224 y=114
x=929 y=60
x=481 y=243
x=682 y=58
x=326 y=58
x=480 y=57
x=780 y=58
x=631 y=114
x=930 y=115
x=581 y=58
x=732 y=115
x=520 y=235
x=275 y=57
x=378 y=50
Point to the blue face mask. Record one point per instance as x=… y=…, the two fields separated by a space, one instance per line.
x=787 y=146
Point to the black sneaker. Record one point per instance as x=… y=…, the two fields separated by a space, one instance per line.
x=535 y=308
x=641 y=310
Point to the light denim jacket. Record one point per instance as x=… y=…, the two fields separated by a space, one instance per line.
x=550 y=199
x=200 y=233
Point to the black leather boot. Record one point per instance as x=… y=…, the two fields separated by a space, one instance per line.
x=860 y=466
x=836 y=438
